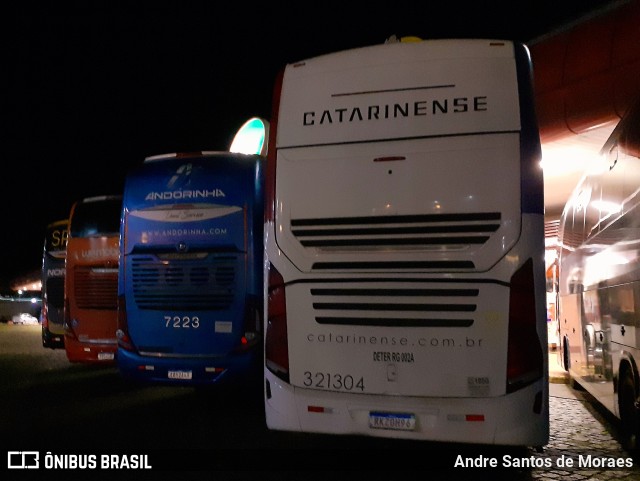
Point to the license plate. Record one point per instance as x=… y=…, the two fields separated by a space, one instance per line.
x=105 y=356
x=394 y=421
x=180 y=374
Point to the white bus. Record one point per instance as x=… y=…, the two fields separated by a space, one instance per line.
x=404 y=246
x=599 y=288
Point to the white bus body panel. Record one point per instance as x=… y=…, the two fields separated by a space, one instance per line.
x=345 y=181
x=351 y=96
x=440 y=383
x=345 y=153
x=437 y=419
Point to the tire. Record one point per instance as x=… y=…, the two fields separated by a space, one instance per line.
x=565 y=355
x=575 y=384
x=629 y=416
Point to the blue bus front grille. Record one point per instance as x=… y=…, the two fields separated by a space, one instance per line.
x=184 y=283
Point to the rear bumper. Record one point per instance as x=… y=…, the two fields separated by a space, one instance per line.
x=194 y=371
x=507 y=420
x=93 y=353
x=51 y=339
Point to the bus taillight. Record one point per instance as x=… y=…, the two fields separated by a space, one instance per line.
x=524 y=356
x=252 y=323
x=44 y=316
x=122 y=333
x=276 y=344
x=68 y=330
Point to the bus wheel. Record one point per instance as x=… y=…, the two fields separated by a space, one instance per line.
x=565 y=355
x=628 y=413
x=575 y=384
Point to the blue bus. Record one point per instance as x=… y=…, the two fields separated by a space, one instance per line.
x=190 y=291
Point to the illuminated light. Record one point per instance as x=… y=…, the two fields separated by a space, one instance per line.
x=214 y=369
x=474 y=417
x=606 y=264
x=607 y=206
x=251 y=137
x=582 y=199
x=143 y=367
x=33 y=300
x=406 y=39
x=319 y=409
x=562 y=160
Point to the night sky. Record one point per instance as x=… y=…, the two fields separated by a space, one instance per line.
x=94 y=87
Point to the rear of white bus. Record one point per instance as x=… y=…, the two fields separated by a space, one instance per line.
x=404 y=244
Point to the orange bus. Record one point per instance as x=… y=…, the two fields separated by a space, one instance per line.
x=91 y=280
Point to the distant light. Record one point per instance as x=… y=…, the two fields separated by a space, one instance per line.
x=607 y=207
x=251 y=137
x=563 y=160
x=34 y=300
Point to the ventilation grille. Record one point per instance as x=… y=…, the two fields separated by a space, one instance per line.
x=551 y=228
x=408 y=307
x=437 y=231
x=96 y=288
x=184 y=284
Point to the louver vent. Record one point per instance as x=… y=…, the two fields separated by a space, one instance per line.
x=437 y=231
x=183 y=283
x=96 y=288
x=408 y=307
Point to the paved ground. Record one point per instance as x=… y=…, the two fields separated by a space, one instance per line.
x=36 y=382
x=582 y=431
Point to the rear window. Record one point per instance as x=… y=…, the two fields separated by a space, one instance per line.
x=97 y=217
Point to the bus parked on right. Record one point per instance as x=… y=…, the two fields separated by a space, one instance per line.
x=599 y=285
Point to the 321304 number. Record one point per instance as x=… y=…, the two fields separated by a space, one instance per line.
x=333 y=381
